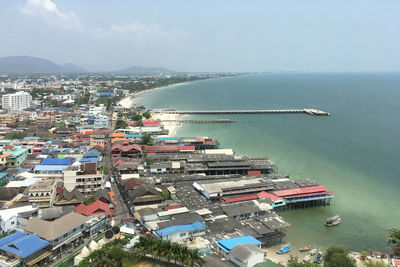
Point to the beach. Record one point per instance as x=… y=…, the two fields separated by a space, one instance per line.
x=172 y=127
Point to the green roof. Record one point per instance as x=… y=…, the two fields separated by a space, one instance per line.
x=18 y=153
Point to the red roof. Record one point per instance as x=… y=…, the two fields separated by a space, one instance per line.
x=58 y=190
x=151 y=123
x=396 y=262
x=172 y=207
x=299 y=191
x=310 y=194
x=254 y=173
x=130 y=123
x=187 y=148
x=89 y=132
x=8 y=146
x=127 y=147
x=79 y=134
x=96 y=208
x=274 y=198
x=133 y=182
x=238 y=199
x=82 y=139
x=167 y=148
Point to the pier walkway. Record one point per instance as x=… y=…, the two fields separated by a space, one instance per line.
x=313 y=112
x=200 y=121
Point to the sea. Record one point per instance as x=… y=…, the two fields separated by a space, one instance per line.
x=355 y=151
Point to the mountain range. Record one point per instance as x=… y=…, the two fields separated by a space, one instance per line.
x=34 y=65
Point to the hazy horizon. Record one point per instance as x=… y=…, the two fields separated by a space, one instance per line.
x=207 y=36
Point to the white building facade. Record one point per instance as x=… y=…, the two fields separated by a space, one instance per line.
x=17 y=101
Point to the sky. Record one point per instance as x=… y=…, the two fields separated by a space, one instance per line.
x=206 y=35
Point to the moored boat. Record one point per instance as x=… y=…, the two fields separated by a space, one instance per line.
x=284 y=249
x=332 y=221
x=319 y=258
x=307 y=258
x=305 y=248
x=313 y=252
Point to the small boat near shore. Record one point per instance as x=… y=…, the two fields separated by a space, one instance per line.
x=307 y=258
x=332 y=221
x=305 y=248
x=284 y=249
x=319 y=258
x=313 y=252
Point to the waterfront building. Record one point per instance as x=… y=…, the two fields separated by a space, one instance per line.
x=17 y=101
x=246 y=255
x=179 y=232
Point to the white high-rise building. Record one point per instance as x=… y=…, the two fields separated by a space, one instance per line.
x=16 y=101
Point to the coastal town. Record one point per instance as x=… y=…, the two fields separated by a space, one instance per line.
x=83 y=167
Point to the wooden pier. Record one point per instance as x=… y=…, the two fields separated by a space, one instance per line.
x=313 y=112
x=200 y=121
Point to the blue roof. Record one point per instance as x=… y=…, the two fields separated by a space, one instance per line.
x=92 y=153
x=166 y=138
x=90 y=160
x=228 y=244
x=132 y=135
x=24 y=245
x=180 y=228
x=50 y=167
x=10 y=238
x=31 y=137
x=56 y=162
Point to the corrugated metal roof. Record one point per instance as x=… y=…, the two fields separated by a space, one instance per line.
x=50 y=167
x=180 y=228
x=25 y=245
x=299 y=191
x=228 y=244
x=56 y=161
x=90 y=160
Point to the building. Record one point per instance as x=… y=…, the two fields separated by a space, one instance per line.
x=87 y=179
x=19 y=249
x=145 y=195
x=246 y=255
x=10 y=218
x=8 y=119
x=175 y=233
x=43 y=193
x=3 y=178
x=17 y=101
x=226 y=245
x=18 y=157
x=62 y=233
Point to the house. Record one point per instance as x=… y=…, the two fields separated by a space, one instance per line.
x=246 y=255
x=95 y=209
x=133 y=183
x=42 y=193
x=126 y=150
x=226 y=245
x=175 y=233
x=87 y=179
x=62 y=232
x=16 y=158
x=8 y=193
x=10 y=218
x=3 y=179
x=23 y=249
x=242 y=211
x=65 y=197
x=145 y=195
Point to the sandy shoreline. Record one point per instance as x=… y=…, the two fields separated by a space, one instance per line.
x=172 y=127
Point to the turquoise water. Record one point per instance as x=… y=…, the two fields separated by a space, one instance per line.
x=354 y=152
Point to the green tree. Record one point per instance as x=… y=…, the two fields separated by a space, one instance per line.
x=394 y=238
x=147 y=139
x=378 y=263
x=146 y=114
x=338 y=257
x=105 y=169
x=117 y=254
x=293 y=262
x=115 y=229
x=120 y=124
x=138 y=123
x=137 y=117
x=89 y=200
x=165 y=193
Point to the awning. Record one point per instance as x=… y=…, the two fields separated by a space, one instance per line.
x=39 y=258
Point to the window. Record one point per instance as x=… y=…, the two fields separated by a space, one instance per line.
x=183 y=234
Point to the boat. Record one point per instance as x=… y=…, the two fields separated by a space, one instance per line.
x=332 y=221
x=284 y=249
x=319 y=258
x=305 y=248
x=313 y=252
x=307 y=258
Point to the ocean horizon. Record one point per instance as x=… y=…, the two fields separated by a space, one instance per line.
x=354 y=152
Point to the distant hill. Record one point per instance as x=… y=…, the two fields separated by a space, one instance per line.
x=32 y=65
x=141 y=70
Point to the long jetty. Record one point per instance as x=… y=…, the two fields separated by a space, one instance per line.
x=200 y=121
x=313 y=112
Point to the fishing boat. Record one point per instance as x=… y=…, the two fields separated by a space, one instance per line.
x=332 y=221
x=305 y=248
x=313 y=252
x=284 y=249
x=307 y=258
x=319 y=258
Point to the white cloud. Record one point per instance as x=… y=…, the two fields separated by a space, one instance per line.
x=138 y=28
x=49 y=11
